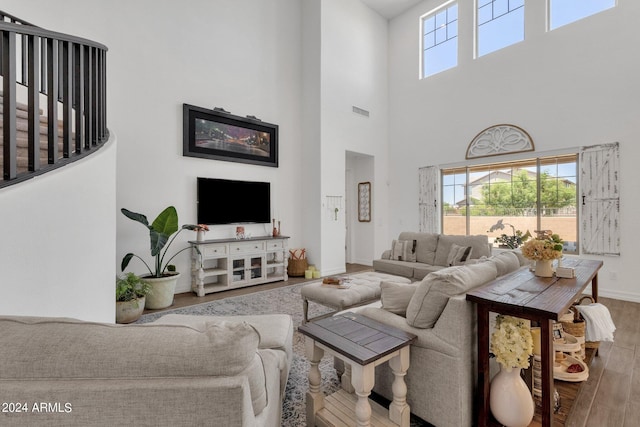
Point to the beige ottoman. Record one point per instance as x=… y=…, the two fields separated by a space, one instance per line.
x=363 y=288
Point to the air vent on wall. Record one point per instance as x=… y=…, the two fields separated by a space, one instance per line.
x=360 y=111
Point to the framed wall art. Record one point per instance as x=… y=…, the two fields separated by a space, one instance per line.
x=220 y=135
x=364 y=201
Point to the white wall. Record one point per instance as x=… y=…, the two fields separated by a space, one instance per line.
x=247 y=57
x=58 y=247
x=574 y=86
x=311 y=197
x=353 y=73
x=244 y=56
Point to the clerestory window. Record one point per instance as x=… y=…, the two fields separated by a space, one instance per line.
x=439 y=44
x=563 y=12
x=499 y=23
x=525 y=195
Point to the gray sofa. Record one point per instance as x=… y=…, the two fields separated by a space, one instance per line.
x=441 y=376
x=177 y=371
x=431 y=252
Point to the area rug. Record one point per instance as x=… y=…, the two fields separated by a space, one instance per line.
x=285 y=300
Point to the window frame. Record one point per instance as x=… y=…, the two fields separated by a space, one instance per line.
x=539 y=160
x=550 y=28
x=433 y=12
x=477 y=25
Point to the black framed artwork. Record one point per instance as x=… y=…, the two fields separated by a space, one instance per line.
x=220 y=135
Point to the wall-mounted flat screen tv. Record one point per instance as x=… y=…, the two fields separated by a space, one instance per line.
x=223 y=201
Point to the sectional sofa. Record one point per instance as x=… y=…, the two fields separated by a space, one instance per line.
x=414 y=254
x=177 y=371
x=442 y=372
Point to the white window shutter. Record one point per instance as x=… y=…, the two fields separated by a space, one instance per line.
x=600 y=199
x=429 y=199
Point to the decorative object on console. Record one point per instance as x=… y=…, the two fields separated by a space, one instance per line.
x=200 y=230
x=276 y=230
x=566 y=272
x=217 y=134
x=239 y=232
x=162 y=229
x=513 y=241
x=364 y=201
x=543 y=250
x=511 y=402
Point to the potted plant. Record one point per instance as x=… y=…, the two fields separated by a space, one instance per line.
x=162 y=232
x=506 y=241
x=130 y=298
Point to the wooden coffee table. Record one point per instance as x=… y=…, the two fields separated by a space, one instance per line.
x=362 y=344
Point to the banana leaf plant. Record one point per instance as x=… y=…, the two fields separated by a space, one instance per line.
x=162 y=232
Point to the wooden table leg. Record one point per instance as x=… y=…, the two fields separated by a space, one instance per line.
x=345 y=379
x=483 y=365
x=362 y=378
x=315 y=397
x=305 y=311
x=547 y=359
x=399 y=411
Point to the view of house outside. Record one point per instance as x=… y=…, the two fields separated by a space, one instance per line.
x=476 y=198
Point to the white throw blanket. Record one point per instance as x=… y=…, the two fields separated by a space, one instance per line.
x=600 y=326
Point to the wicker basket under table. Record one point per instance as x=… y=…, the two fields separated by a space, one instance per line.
x=574 y=324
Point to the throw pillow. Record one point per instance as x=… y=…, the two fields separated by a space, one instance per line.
x=403 y=250
x=458 y=255
x=433 y=293
x=395 y=297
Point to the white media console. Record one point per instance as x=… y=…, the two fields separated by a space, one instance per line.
x=225 y=264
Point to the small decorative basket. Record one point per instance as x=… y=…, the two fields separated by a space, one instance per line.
x=297 y=262
x=297 y=267
x=573 y=323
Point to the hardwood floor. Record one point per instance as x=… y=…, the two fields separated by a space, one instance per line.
x=611 y=396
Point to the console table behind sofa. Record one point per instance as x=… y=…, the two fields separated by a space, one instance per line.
x=541 y=299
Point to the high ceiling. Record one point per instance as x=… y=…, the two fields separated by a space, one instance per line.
x=390 y=8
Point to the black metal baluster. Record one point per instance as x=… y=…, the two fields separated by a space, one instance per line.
x=24 y=53
x=95 y=97
x=67 y=97
x=78 y=95
x=105 y=132
x=87 y=98
x=52 y=98
x=9 y=145
x=34 y=101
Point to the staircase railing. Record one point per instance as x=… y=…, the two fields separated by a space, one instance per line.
x=68 y=75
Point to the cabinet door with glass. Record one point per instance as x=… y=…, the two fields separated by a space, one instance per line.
x=248 y=269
